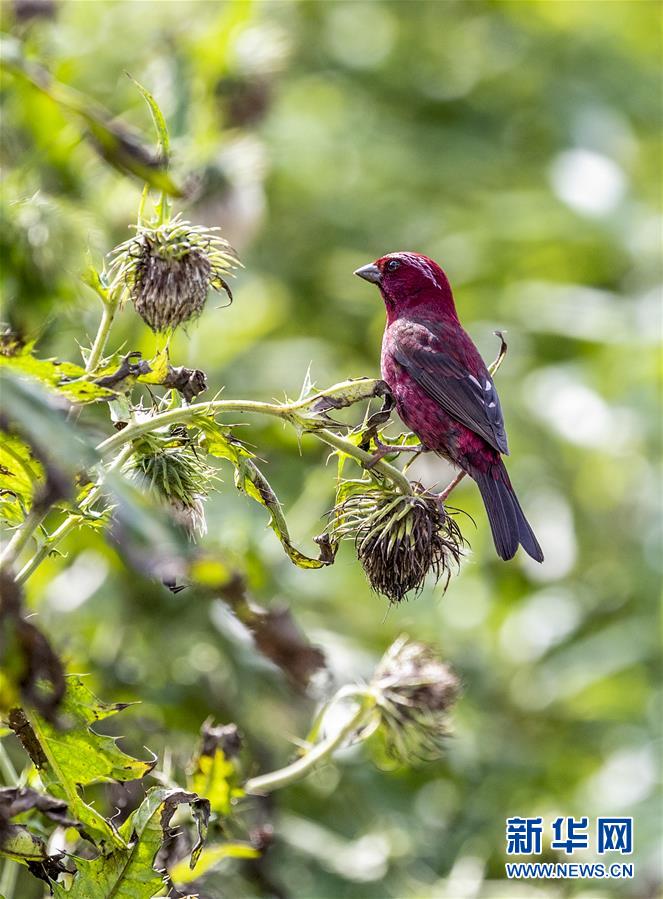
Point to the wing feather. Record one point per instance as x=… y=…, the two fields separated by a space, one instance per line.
x=471 y=399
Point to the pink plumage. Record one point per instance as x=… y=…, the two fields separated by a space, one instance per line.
x=443 y=390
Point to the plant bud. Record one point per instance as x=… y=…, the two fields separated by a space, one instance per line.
x=167 y=271
x=177 y=478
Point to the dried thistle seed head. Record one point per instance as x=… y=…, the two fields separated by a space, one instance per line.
x=415 y=691
x=178 y=478
x=168 y=270
x=400 y=538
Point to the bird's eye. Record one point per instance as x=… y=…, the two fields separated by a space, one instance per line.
x=392 y=265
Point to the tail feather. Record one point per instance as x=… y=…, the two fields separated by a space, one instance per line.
x=507 y=520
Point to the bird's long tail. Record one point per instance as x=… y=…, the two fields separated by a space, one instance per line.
x=507 y=520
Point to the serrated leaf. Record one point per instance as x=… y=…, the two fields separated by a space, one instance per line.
x=21 y=845
x=129 y=873
x=182 y=873
x=65 y=378
x=30 y=409
x=70 y=755
x=342 y=395
x=20 y=475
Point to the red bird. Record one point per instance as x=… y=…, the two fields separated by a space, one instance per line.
x=443 y=390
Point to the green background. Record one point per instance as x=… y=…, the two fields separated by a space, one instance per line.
x=517 y=143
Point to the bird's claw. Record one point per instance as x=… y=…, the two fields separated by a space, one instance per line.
x=451 y=486
x=384 y=449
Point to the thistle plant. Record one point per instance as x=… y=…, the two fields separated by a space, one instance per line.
x=168 y=450
x=399 y=538
x=168 y=269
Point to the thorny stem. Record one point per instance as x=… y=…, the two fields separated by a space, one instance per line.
x=364 y=458
x=107 y=317
x=72 y=520
x=265 y=783
x=284 y=411
x=21 y=538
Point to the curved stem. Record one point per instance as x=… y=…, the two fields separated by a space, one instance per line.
x=107 y=316
x=364 y=458
x=321 y=751
x=284 y=411
x=67 y=525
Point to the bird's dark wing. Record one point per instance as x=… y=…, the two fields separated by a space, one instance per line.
x=447 y=378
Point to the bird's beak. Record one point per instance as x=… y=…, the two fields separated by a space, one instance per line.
x=370 y=273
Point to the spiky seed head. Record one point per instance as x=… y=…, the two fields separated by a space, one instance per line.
x=415 y=692
x=400 y=538
x=177 y=477
x=168 y=270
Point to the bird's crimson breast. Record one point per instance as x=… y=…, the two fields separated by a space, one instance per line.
x=436 y=430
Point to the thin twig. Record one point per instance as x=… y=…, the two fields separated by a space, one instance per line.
x=287 y=411
x=72 y=520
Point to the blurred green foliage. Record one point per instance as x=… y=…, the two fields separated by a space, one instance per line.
x=517 y=143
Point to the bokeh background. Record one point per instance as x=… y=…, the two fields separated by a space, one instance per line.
x=518 y=143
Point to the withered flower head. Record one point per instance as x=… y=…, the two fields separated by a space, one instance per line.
x=168 y=270
x=415 y=691
x=400 y=538
x=177 y=477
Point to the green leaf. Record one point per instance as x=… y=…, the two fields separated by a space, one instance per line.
x=250 y=480
x=213 y=772
x=340 y=396
x=158 y=119
x=182 y=873
x=20 y=475
x=30 y=411
x=65 y=378
x=211 y=778
x=129 y=873
x=158 y=372
x=21 y=845
x=70 y=755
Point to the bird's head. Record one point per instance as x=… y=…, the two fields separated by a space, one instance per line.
x=408 y=281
